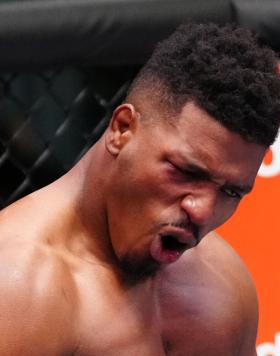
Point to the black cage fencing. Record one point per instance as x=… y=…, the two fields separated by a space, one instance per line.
x=48 y=119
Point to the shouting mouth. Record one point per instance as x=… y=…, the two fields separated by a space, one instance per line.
x=169 y=246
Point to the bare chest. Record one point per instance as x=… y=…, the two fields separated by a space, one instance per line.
x=170 y=320
x=121 y=324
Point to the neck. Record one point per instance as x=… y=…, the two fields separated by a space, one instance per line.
x=92 y=237
x=91 y=204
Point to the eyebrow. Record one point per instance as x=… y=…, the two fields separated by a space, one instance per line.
x=203 y=173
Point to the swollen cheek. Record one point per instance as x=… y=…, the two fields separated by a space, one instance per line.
x=162 y=188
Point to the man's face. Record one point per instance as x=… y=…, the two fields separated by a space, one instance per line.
x=174 y=181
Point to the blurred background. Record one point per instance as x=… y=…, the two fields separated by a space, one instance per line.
x=65 y=65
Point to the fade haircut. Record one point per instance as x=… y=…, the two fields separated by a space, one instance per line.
x=227 y=71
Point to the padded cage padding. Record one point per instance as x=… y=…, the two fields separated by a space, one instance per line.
x=49 y=119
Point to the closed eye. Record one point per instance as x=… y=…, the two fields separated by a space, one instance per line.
x=193 y=174
x=196 y=173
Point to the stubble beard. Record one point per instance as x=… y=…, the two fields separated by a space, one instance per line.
x=136 y=270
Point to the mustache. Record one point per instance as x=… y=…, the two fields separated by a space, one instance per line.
x=183 y=224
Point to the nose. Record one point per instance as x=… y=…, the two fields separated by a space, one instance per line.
x=201 y=207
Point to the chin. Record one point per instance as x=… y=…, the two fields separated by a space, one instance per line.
x=137 y=270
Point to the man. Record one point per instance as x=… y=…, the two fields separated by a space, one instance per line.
x=109 y=259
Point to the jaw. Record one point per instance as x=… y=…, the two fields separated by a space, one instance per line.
x=163 y=250
x=137 y=270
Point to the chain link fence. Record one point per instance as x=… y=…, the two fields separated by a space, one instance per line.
x=48 y=119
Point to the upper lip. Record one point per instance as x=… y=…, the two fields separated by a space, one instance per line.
x=182 y=235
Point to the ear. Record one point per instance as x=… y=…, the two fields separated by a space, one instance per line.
x=121 y=128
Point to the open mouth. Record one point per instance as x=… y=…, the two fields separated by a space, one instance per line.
x=167 y=249
x=170 y=243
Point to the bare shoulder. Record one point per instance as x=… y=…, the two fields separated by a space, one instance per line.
x=212 y=295
x=36 y=298
x=222 y=260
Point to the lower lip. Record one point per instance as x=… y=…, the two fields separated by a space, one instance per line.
x=162 y=255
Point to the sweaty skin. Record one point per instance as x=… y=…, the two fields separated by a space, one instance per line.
x=64 y=290
x=55 y=303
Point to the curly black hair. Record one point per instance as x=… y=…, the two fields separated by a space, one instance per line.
x=228 y=71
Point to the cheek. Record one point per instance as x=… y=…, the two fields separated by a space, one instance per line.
x=225 y=212
x=144 y=186
x=150 y=182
